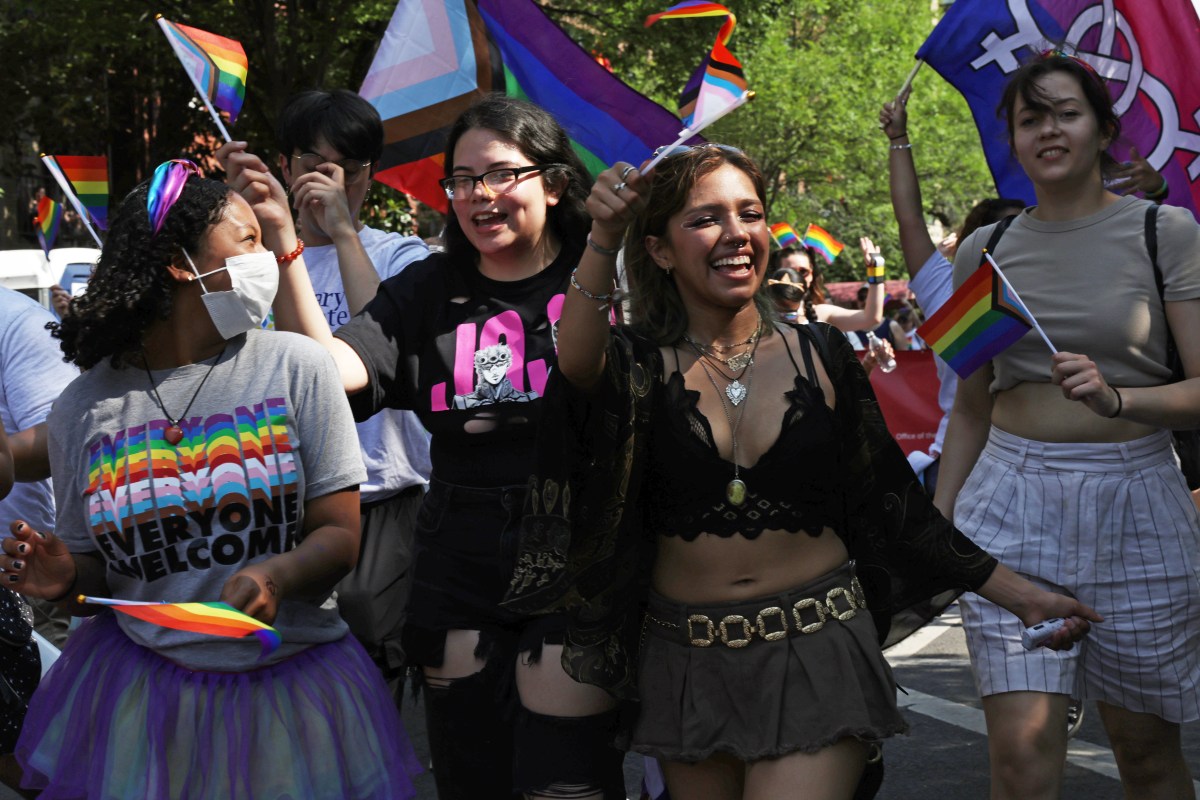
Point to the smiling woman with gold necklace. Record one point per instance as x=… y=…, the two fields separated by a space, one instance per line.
x=737 y=467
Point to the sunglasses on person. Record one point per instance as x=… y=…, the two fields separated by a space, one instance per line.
x=498 y=181
x=668 y=151
x=353 y=169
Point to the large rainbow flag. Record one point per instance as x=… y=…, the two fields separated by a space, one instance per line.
x=216 y=65
x=819 y=239
x=719 y=81
x=472 y=47
x=49 y=215
x=213 y=619
x=980 y=320
x=89 y=176
x=784 y=235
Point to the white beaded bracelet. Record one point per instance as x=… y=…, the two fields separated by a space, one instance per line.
x=905 y=146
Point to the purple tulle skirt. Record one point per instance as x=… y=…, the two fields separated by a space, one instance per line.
x=114 y=720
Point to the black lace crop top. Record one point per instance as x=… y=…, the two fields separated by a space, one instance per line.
x=792 y=487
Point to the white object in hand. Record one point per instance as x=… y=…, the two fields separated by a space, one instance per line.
x=886 y=361
x=1036 y=635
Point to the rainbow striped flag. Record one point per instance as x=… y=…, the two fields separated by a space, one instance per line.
x=980 y=320
x=719 y=82
x=784 y=235
x=420 y=86
x=49 y=215
x=216 y=65
x=89 y=176
x=211 y=619
x=819 y=239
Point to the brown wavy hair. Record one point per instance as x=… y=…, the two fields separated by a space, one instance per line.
x=656 y=309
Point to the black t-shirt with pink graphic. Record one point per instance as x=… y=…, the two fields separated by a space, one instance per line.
x=469 y=355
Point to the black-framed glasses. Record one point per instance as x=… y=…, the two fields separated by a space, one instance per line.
x=667 y=151
x=352 y=168
x=499 y=181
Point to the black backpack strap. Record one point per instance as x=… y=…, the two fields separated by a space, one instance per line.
x=998 y=231
x=1152 y=247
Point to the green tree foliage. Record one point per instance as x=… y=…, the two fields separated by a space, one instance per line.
x=821 y=70
x=91 y=76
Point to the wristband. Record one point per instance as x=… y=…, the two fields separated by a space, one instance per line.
x=292 y=256
x=875 y=273
x=604 y=251
x=604 y=298
x=1160 y=192
x=906 y=146
x=1120 y=405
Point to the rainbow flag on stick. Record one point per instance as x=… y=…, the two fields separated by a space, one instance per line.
x=89 y=176
x=819 y=239
x=49 y=215
x=718 y=85
x=784 y=235
x=69 y=193
x=979 y=321
x=217 y=67
x=212 y=619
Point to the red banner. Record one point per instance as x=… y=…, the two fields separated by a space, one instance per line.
x=908 y=397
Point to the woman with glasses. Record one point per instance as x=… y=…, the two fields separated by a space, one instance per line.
x=719 y=492
x=466 y=339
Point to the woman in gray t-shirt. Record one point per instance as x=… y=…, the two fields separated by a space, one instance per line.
x=197 y=459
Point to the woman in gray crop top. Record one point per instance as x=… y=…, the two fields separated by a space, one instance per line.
x=1062 y=466
x=758 y=639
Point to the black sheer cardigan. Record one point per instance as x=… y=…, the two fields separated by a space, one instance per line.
x=582 y=549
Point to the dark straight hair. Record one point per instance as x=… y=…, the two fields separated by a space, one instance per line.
x=347 y=123
x=540 y=138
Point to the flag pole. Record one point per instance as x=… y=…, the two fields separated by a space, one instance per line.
x=908 y=82
x=1036 y=327
x=688 y=133
x=162 y=23
x=65 y=185
x=111 y=601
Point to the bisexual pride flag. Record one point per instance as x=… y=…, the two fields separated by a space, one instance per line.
x=49 y=215
x=979 y=321
x=468 y=48
x=1144 y=50
x=819 y=239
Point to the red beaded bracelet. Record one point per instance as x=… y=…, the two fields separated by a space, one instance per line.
x=292 y=256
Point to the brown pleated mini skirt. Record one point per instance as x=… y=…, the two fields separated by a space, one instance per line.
x=792 y=672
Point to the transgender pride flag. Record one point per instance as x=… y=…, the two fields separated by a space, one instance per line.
x=1145 y=49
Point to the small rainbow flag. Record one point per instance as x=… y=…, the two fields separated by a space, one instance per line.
x=89 y=176
x=784 y=235
x=819 y=239
x=213 y=619
x=982 y=318
x=216 y=65
x=718 y=84
x=49 y=215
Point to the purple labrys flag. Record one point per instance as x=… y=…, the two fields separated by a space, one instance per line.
x=1145 y=51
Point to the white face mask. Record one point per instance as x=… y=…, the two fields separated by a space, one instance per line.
x=255 y=280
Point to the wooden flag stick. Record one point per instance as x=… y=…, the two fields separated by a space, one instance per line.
x=908 y=82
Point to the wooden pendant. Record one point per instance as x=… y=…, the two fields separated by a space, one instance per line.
x=173 y=435
x=735 y=492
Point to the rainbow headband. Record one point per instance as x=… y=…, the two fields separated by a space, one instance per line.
x=165 y=188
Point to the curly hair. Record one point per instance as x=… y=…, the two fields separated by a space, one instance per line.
x=542 y=140
x=131 y=287
x=655 y=306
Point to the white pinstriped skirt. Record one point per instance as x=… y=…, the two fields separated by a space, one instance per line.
x=1113 y=525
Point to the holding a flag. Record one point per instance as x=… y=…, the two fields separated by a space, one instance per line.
x=1061 y=462
x=216 y=66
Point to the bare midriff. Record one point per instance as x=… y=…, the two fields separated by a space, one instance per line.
x=714 y=569
x=1039 y=411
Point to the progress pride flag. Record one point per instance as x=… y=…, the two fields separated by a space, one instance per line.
x=1145 y=51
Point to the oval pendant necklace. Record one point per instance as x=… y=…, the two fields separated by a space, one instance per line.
x=735 y=490
x=174 y=434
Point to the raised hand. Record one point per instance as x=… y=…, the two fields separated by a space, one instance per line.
x=893 y=117
x=1135 y=176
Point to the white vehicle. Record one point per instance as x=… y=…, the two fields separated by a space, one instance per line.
x=31 y=273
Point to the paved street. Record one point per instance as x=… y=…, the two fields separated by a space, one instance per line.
x=945 y=756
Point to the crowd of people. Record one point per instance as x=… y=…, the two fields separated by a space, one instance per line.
x=580 y=507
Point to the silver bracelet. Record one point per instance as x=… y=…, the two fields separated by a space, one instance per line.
x=604 y=251
x=603 y=298
x=905 y=146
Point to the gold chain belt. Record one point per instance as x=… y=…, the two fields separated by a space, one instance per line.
x=772 y=623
